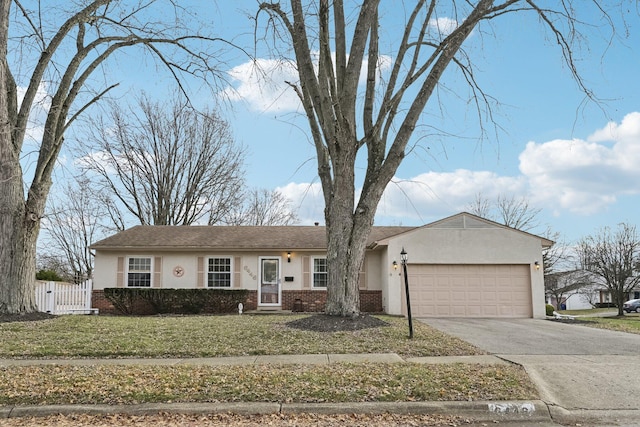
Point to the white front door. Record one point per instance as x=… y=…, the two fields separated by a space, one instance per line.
x=269 y=281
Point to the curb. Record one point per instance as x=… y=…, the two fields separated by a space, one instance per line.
x=534 y=410
x=595 y=416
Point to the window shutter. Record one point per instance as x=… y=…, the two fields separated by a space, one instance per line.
x=157 y=272
x=200 y=279
x=120 y=273
x=362 y=276
x=236 y=272
x=306 y=272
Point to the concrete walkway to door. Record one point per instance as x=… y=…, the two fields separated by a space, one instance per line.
x=582 y=373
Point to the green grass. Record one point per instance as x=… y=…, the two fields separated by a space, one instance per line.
x=211 y=336
x=629 y=323
x=588 y=312
x=56 y=385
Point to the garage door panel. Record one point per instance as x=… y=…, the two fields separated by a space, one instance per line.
x=470 y=290
x=459 y=312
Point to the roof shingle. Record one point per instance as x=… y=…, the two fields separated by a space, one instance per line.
x=229 y=237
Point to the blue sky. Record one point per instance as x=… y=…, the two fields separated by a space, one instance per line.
x=577 y=160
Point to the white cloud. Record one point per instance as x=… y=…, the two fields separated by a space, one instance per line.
x=307 y=198
x=433 y=195
x=263 y=84
x=421 y=199
x=444 y=26
x=627 y=131
x=586 y=176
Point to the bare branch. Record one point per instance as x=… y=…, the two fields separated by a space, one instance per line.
x=167 y=166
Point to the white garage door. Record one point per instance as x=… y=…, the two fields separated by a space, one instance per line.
x=470 y=290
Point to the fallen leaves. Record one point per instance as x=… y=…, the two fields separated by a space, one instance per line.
x=114 y=384
x=278 y=420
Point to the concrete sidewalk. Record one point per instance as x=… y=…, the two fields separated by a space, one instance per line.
x=520 y=412
x=286 y=359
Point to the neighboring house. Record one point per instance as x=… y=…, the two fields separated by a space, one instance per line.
x=460 y=266
x=579 y=290
x=576 y=289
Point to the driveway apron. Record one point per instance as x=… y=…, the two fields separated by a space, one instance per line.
x=575 y=367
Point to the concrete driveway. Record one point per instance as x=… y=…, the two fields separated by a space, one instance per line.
x=537 y=336
x=582 y=373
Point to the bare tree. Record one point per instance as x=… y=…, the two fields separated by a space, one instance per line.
x=66 y=58
x=559 y=284
x=481 y=206
x=167 y=165
x=72 y=223
x=557 y=255
x=614 y=257
x=332 y=46
x=512 y=211
x=263 y=207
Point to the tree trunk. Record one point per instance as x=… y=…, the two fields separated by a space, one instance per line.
x=346 y=247
x=348 y=229
x=619 y=299
x=19 y=220
x=18 y=235
x=18 y=231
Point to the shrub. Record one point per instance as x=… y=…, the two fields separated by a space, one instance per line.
x=49 y=275
x=162 y=302
x=549 y=309
x=183 y=301
x=123 y=299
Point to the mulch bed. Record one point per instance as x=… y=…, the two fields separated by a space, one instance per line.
x=28 y=317
x=326 y=323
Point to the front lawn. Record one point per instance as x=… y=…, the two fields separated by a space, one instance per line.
x=212 y=336
x=56 y=385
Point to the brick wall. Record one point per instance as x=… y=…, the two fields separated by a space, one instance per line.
x=314 y=301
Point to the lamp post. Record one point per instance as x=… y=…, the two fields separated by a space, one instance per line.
x=404 y=256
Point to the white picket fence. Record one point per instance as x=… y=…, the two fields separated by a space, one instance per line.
x=64 y=298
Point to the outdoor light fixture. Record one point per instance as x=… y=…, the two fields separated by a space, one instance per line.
x=404 y=257
x=395 y=265
x=537 y=264
x=289 y=256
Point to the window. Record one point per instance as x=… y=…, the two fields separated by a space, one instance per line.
x=319 y=272
x=219 y=273
x=139 y=272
